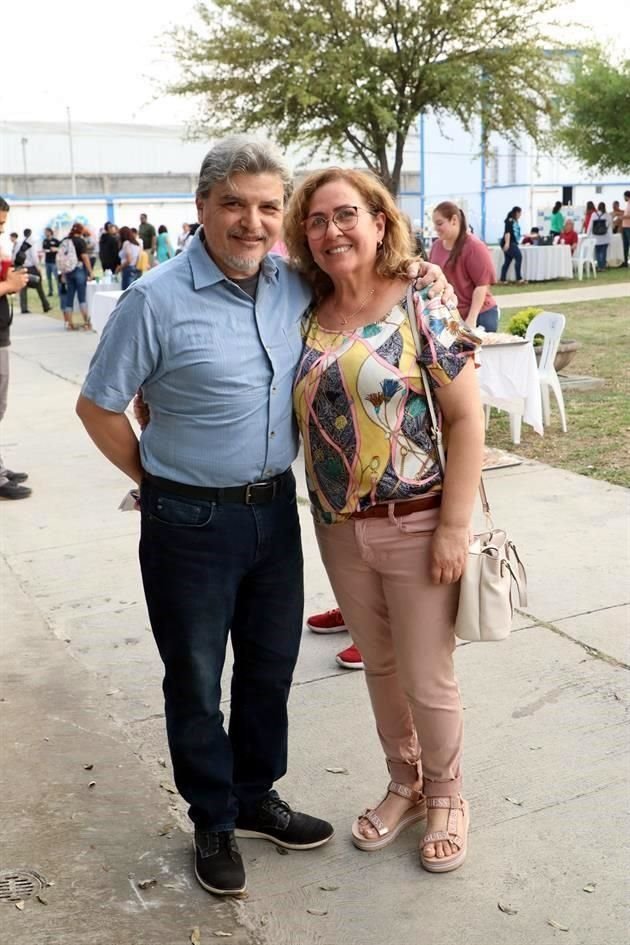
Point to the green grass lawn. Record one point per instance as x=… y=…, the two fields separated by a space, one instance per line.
x=597 y=443
x=608 y=277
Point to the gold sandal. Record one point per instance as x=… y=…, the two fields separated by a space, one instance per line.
x=386 y=834
x=444 y=864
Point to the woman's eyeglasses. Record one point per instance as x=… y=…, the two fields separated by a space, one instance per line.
x=345 y=218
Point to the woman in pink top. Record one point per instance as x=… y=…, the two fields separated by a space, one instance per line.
x=467 y=264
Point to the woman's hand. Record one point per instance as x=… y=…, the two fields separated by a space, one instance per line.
x=428 y=274
x=449 y=553
x=141 y=411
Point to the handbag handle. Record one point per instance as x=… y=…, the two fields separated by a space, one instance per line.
x=436 y=433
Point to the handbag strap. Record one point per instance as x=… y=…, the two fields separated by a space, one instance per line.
x=436 y=432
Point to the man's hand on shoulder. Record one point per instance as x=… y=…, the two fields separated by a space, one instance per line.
x=428 y=274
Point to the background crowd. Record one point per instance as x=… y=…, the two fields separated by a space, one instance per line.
x=126 y=252
x=597 y=223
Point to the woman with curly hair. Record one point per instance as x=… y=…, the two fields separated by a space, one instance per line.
x=392 y=531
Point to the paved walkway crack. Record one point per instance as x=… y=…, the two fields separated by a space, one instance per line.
x=47 y=370
x=591 y=650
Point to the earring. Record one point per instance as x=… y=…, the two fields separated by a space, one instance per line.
x=379 y=245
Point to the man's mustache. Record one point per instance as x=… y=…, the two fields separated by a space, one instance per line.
x=244 y=234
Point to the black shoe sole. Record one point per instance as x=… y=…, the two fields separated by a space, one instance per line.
x=259 y=835
x=213 y=889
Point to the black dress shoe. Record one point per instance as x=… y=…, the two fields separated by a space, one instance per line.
x=218 y=864
x=10 y=490
x=274 y=820
x=15 y=476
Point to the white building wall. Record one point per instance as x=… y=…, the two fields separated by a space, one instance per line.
x=452 y=171
x=97 y=149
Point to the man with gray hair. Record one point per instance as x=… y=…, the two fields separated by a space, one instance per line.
x=212 y=337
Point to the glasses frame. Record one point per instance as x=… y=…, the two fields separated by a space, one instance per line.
x=347 y=206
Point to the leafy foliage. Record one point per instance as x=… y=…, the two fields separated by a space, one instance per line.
x=353 y=75
x=519 y=322
x=595 y=112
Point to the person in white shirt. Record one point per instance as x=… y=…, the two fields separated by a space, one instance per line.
x=129 y=255
x=15 y=245
x=182 y=238
x=26 y=257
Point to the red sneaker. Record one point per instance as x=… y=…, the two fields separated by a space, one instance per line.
x=329 y=622
x=350 y=658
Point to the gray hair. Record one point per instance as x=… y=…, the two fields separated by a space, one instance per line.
x=240 y=154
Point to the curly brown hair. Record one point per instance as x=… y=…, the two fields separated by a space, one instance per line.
x=393 y=257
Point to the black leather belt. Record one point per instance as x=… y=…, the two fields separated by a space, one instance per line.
x=254 y=493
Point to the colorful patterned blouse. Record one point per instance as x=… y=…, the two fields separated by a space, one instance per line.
x=360 y=404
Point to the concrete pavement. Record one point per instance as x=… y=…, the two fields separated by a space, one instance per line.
x=546 y=725
x=588 y=291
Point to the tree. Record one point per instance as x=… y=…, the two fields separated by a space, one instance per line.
x=342 y=75
x=594 y=113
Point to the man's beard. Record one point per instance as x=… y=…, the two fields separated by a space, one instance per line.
x=243 y=264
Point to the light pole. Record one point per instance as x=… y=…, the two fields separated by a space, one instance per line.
x=422 y=175
x=24 y=142
x=72 y=176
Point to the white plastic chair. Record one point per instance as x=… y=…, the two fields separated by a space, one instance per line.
x=551 y=326
x=584 y=257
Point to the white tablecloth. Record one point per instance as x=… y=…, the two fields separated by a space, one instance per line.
x=614 y=256
x=539 y=262
x=103 y=304
x=508 y=379
x=93 y=287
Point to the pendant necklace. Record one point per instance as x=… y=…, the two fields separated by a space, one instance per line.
x=346 y=318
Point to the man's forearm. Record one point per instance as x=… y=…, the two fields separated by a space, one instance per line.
x=113 y=435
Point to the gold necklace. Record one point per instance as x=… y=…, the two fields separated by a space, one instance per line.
x=346 y=318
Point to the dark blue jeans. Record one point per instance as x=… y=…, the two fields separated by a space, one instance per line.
x=509 y=254
x=51 y=274
x=76 y=281
x=600 y=255
x=210 y=569
x=129 y=275
x=489 y=319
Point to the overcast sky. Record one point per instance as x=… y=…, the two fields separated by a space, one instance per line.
x=106 y=62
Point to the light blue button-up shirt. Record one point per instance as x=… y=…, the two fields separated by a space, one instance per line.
x=216 y=368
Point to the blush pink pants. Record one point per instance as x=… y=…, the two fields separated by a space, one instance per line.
x=403 y=624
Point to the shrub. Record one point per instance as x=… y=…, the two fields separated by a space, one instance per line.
x=519 y=323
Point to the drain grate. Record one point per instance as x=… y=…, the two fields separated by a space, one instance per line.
x=20 y=884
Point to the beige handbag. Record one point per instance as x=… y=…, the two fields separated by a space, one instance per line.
x=493 y=570
x=493 y=573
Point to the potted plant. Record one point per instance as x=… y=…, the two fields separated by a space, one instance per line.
x=518 y=325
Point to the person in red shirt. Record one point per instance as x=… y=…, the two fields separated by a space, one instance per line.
x=467 y=264
x=568 y=235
